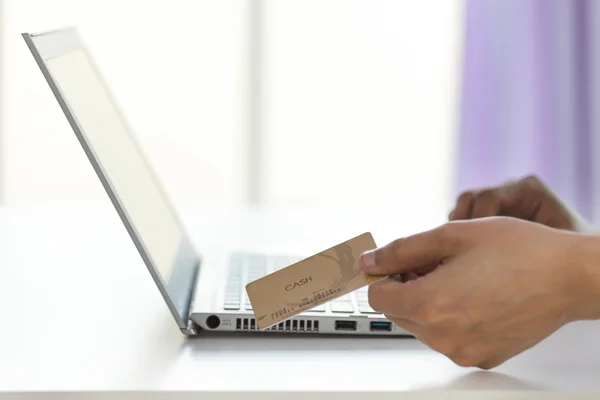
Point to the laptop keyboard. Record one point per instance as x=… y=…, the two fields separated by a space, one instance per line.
x=247 y=267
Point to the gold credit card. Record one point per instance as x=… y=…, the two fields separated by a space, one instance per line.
x=311 y=282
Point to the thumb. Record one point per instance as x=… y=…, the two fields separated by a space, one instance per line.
x=411 y=253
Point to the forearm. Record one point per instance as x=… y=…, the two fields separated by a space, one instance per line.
x=584 y=273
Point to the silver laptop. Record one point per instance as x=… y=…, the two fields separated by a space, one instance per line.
x=202 y=294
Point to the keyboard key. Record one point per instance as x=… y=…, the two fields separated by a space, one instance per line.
x=342 y=307
x=233 y=297
x=247 y=303
x=279 y=262
x=257 y=267
x=233 y=293
x=342 y=304
x=366 y=310
x=321 y=308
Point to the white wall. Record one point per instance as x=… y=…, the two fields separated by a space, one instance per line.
x=2 y=95
x=359 y=100
x=178 y=70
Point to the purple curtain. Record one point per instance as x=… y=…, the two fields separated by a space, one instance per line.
x=531 y=96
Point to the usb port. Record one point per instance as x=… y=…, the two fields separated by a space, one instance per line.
x=381 y=326
x=345 y=325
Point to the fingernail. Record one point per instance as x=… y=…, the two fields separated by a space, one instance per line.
x=367 y=259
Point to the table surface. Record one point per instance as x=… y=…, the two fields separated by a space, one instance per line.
x=79 y=312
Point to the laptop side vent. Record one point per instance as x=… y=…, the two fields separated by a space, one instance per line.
x=293 y=326
x=245 y=324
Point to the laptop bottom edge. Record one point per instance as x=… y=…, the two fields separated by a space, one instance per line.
x=307 y=323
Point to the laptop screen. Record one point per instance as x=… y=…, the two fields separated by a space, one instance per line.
x=121 y=163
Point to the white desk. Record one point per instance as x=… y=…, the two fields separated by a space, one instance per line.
x=79 y=312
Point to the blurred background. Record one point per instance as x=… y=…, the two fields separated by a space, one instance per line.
x=316 y=104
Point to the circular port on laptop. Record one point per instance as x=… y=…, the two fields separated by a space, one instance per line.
x=213 y=322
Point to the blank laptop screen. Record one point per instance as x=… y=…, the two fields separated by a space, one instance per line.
x=125 y=168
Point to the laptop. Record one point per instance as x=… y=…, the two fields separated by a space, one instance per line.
x=201 y=295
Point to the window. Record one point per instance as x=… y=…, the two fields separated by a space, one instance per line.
x=360 y=102
x=343 y=103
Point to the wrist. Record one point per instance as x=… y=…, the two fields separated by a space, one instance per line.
x=582 y=266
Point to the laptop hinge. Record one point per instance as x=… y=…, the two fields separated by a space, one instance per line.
x=192 y=329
